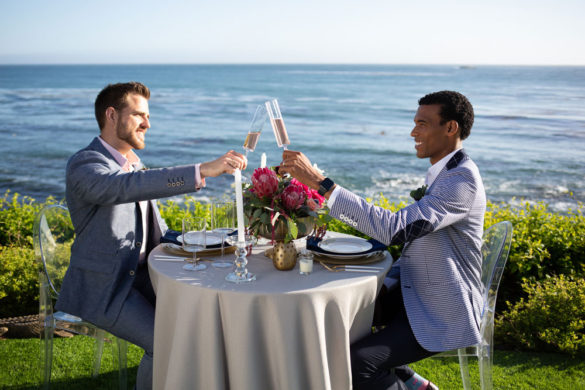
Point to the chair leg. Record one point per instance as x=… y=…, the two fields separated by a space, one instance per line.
x=99 y=349
x=485 y=369
x=122 y=352
x=46 y=358
x=464 y=368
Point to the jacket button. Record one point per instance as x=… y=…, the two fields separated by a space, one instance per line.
x=168 y=184
x=138 y=244
x=131 y=272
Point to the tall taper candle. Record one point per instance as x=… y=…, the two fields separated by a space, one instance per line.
x=239 y=205
x=263 y=160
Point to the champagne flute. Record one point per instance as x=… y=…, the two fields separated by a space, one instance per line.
x=224 y=217
x=255 y=129
x=277 y=123
x=194 y=239
x=254 y=132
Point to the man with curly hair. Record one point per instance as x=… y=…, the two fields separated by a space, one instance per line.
x=432 y=296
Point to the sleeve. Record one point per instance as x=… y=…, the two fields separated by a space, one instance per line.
x=94 y=178
x=449 y=200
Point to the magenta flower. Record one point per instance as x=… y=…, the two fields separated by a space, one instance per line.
x=310 y=194
x=293 y=197
x=264 y=182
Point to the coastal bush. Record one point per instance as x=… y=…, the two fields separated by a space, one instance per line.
x=17 y=214
x=173 y=211
x=19 y=291
x=544 y=244
x=550 y=318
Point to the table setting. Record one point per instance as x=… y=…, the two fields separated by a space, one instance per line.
x=284 y=312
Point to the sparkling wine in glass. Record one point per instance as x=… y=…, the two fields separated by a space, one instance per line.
x=255 y=129
x=277 y=123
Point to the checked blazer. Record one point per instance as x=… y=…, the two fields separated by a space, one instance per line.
x=440 y=265
x=103 y=202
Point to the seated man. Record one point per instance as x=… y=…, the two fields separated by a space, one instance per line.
x=117 y=223
x=438 y=296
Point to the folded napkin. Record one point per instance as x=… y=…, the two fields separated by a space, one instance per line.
x=171 y=237
x=313 y=245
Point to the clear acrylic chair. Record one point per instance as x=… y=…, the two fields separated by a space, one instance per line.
x=496 y=246
x=53 y=235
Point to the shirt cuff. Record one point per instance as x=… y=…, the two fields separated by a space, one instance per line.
x=199 y=182
x=333 y=196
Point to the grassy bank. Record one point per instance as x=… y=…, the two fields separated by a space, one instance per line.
x=73 y=359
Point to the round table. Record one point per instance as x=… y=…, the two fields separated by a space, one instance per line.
x=282 y=331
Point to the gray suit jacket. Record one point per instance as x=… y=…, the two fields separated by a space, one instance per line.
x=102 y=200
x=440 y=265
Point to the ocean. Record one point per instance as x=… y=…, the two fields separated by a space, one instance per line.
x=354 y=121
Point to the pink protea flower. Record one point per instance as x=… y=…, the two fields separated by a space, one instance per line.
x=311 y=194
x=264 y=182
x=293 y=197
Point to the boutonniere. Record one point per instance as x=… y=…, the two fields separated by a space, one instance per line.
x=419 y=192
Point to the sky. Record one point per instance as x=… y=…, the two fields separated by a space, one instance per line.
x=505 y=32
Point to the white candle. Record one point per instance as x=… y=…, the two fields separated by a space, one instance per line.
x=306 y=266
x=239 y=205
x=263 y=160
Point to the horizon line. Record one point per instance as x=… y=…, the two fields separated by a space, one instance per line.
x=462 y=65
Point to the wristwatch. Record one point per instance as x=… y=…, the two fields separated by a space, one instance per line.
x=325 y=186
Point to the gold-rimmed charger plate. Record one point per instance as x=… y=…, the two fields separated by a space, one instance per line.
x=369 y=258
x=175 y=249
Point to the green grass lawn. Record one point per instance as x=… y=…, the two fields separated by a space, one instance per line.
x=72 y=365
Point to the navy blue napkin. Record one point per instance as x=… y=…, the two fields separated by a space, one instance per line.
x=313 y=245
x=171 y=237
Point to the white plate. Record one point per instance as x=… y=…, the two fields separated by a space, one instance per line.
x=211 y=238
x=345 y=245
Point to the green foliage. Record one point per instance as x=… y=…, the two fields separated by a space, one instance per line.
x=16 y=219
x=173 y=212
x=551 y=318
x=19 y=291
x=544 y=244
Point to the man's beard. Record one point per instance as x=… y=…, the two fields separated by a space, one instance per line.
x=130 y=137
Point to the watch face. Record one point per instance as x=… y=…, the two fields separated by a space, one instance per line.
x=325 y=186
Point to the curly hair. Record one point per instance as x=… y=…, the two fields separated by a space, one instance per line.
x=114 y=95
x=454 y=106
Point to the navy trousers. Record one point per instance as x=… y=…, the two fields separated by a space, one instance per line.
x=379 y=361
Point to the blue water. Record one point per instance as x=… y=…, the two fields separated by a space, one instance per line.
x=354 y=121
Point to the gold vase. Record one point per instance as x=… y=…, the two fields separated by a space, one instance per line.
x=284 y=256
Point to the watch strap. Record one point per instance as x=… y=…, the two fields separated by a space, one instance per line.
x=325 y=186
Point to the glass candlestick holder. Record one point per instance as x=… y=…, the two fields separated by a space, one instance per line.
x=240 y=273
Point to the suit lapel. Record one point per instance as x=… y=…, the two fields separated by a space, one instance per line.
x=453 y=162
x=456 y=159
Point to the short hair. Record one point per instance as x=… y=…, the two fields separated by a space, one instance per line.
x=454 y=106
x=114 y=95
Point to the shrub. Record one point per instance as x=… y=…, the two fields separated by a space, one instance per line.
x=544 y=244
x=551 y=318
x=19 y=291
x=173 y=211
x=17 y=217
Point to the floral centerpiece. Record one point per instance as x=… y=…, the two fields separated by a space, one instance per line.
x=277 y=206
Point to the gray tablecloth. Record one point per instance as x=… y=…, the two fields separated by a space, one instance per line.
x=283 y=331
